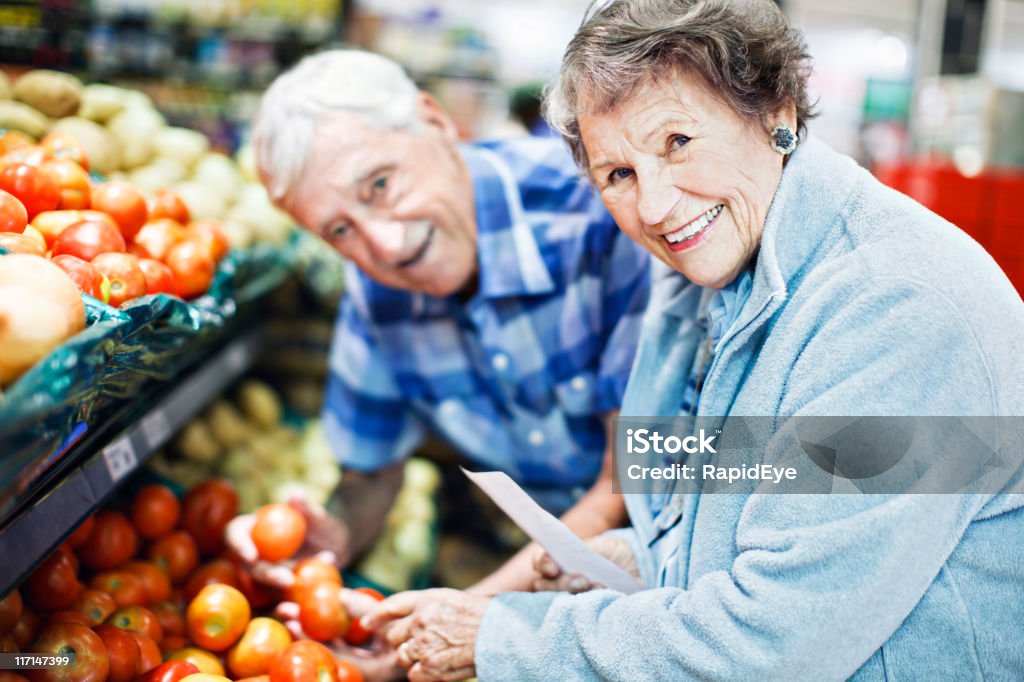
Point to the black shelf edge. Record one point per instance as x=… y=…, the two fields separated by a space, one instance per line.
x=31 y=535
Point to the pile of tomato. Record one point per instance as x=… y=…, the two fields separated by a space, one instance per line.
x=114 y=242
x=150 y=593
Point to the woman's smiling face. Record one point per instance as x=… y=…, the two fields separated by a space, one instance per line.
x=685 y=176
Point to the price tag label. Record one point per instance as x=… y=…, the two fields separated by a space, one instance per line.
x=120 y=458
x=156 y=429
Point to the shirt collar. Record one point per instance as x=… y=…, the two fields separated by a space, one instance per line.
x=509 y=258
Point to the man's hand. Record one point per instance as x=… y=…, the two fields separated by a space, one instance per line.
x=434 y=631
x=551 y=578
x=326 y=539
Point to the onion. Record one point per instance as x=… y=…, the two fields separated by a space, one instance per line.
x=31 y=325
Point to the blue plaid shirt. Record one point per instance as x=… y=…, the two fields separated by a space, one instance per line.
x=518 y=377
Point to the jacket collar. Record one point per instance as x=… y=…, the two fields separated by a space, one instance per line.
x=509 y=258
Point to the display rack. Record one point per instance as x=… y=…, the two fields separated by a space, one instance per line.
x=34 y=530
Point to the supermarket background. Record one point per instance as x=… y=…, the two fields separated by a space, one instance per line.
x=928 y=94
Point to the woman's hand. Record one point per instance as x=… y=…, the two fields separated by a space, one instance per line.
x=326 y=539
x=376 y=660
x=552 y=579
x=434 y=631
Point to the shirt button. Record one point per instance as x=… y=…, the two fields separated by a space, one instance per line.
x=578 y=383
x=499 y=362
x=536 y=437
x=449 y=407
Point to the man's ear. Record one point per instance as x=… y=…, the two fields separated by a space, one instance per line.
x=431 y=113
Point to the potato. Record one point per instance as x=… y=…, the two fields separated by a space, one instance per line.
x=18 y=116
x=227 y=424
x=202 y=200
x=135 y=130
x=196 y=442
x=100 y=145
x=53 y=93
x=260 y=403
x=181 y=144
x=159 y=174
x=101 y=102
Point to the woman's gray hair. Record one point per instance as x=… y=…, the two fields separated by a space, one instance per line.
x=320 y=85
x=744 y=50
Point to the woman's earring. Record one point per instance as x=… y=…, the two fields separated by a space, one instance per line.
x=783 y=139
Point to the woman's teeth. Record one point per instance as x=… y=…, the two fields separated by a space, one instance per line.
x=692 y=229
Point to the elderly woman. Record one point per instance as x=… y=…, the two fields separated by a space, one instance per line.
x=793 y=284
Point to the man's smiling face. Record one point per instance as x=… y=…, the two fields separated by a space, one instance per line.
x=397 y=203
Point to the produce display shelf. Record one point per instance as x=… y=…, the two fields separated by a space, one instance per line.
x=34 y=530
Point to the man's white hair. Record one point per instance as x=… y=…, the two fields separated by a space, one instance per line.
x=306 y=95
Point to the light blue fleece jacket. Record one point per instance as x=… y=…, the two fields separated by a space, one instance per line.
x=863 y=303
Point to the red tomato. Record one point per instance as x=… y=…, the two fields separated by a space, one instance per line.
x=347 y=672
x=90 y=664
x=92 y=282
x=126 y=588
x=158 y=236
x=31 y=186
x=263 y=639
x=159 y=278
x=166 y=203
x=13 y=139
x=137 y=619
x=88 y=239
x=210 y=233
x=33 y=155
x=8 y=646
x=149 y=652
x=95 y=604
x=16 y=242
x=259 y=594
x=193 y=267
x=171 y=671
x=176 y=553
x=321 y=612
x=206 y=511
x=200 y=658
x=124 y=203
x=310 y=572
x=122 y=653
x=10 y=610
x=80 y=534
x=279 y=531
x=217 y=617
x=127 y=280
x=13 y=216
x=356 y=633
x=69 y=616
x=171 y=618
x=303 y=661
x=24 y=631
x=217 y=571
x=72 y=183
x=113 y=541
x=154 y=580
x=51 y=223
x=155 y=510
x=174 y=642
x=53 y=586
x=61 y=145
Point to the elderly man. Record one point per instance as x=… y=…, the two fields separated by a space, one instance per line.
x=491 y=299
